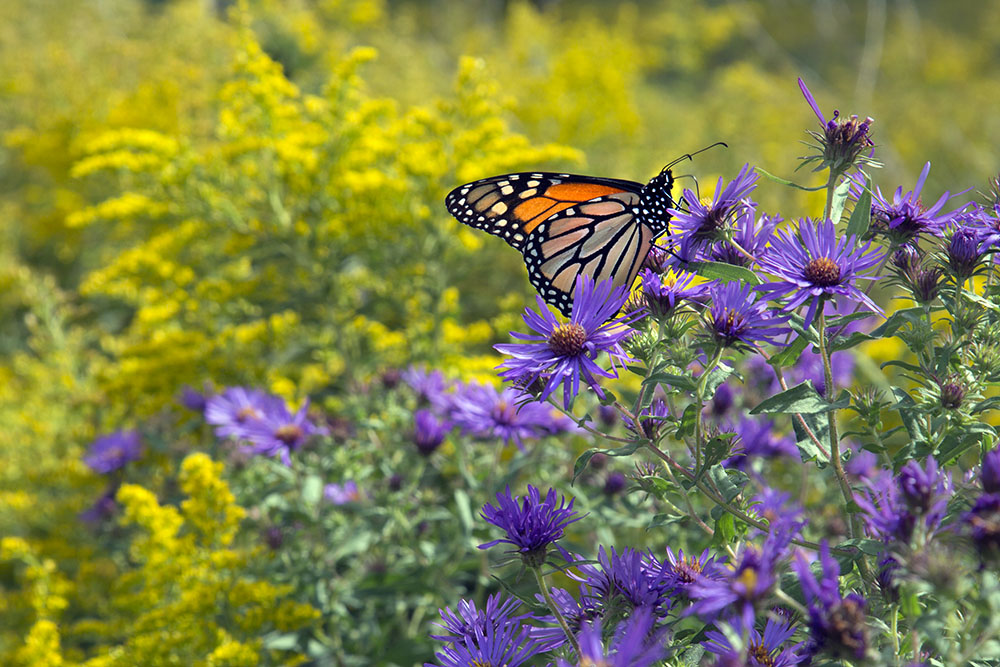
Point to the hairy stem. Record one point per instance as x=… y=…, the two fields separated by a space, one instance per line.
x=540 y=578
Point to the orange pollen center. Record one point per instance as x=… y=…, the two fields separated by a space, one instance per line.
x=822 y=271
x=760 y=653
x=568 y=339
x=288 y=434
x=246 y=413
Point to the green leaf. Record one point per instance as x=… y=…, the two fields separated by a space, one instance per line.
x=790 y=354
x=801 y=399
x=820 y=426
x=688 y=420
x=725 y=529
x=729 y=482
x=839 y=200
x=723 y=271
x=692 y=656
x=312 y=490
x=897 y=320
x=464 y=508
x=717 y=376
x=282 y=642
x=676 y=381
x=865 y=546
x=860 y=218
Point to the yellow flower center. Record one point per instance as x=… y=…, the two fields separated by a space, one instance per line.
x=568 y=339
x=822 y=271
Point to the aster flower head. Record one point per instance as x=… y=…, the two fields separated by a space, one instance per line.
x=510 y=645
x=429 y=386
x=627 y=581
x=736 y=319
x=703 y=224
x=756 y=649
x=744 y=588
x=278 y=431
x=963 y=253
x=428 y=431
x=530 y=524
x=751 y=233
x=925 y=489
x=757 y=440
x=342 y=494
x=614 y=483
x=837 y=625
x=989 y=474
x=635 y=644
x=237 y=407
x=985 y=221
x=982 y=524
x=813 y=265
x=662 y=293
x=681 y=572
x=192 y=399
x=113 y=451
x=563 y=353
x=917 y=497
x=102 y=509
x=843 y=142
x=576 y=611
x=651 y=419
x=467 y=618
x=509 y=414
x=903 y=219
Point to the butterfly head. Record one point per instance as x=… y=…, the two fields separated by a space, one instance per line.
x=655 y=199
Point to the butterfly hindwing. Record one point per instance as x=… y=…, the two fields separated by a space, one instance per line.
x=601 y=238
x=513 y=206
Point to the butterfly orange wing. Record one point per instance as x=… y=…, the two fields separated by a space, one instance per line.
x=564 y=225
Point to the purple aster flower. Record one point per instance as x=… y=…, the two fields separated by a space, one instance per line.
x=863 y=464
x=784 y=517
x=341 y=494
x=428 y=431
x=531 y=526
x=682 y=572
x=235 y=408
x=111 y=452
x=925 y=490
x=837 y=625
x=917 y=497
x=192 y=399
x=565 y=352
x=576 y=613
x=651 y=419
x=985 y=221
x=982 y=524
x=462 y=623
x=963 y=253
x=722 y=401
x=635 y=644
x=510 y=645
x=693 y=230
x=737 y=320
x=843 y=141
x=813 y=264
x=751 y=233
x=663 y=292
x=904 y=219
x=885 y=578
x=758 y=440
x=633 y=579
x=430 y=386
x=278 y=431
x=744 y=588
x=510 y=414
x=757 y=650
x=989 y=475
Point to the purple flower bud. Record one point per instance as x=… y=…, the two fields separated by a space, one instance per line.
x=428 y=431
x=952 y=395
x=614 y=484
x=963 y=253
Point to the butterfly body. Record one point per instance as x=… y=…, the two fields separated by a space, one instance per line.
x=565 y=225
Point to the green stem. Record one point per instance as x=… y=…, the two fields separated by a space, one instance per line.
x=831 y=185
x=838 y=466
x=698 y=427
x=540 y=578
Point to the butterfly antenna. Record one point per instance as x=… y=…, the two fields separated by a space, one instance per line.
x=690 y=156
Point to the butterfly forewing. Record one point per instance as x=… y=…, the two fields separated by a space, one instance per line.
x=564 y=225
x=512 y=206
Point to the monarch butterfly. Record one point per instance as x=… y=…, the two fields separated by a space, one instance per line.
x=566 y=225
